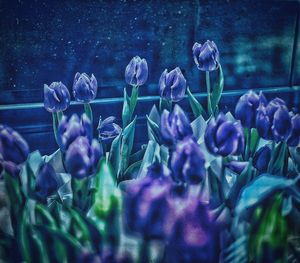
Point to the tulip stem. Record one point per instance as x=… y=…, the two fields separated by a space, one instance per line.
x=55 y=125
x=210 y=112
x=88 y=111
x=133 y=99
x=270 y=166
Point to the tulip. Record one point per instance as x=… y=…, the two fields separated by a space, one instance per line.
x=294 y=138
x=82 y=157
x=70 y=129
x=56 y=97
x=136 y=72
x=246 y=108
x=46 y=182
x=172 y=85
x=206 y=56
x=84 y=87
x=262 y=158
x=10 y=167
x=273 y=122
x=237 y=166
x=13 y=148
x=224 y=137
x=175 y=126
x=108 y=130
x=188 y=163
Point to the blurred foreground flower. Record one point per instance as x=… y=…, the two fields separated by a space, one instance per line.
x=71 y=128
x=224 y=137
x=82 y=157
x=172 y=85
x=84 y=87
x=294 y=138
x=108 y=129
x=56 y=97
x=174 y=126
x=188 y=163
x=136 y=72
x=273 y=122
x=262 y=158
x=246 y=108
x=206 y=56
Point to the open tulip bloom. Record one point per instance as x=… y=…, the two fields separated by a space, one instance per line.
x=212 y=186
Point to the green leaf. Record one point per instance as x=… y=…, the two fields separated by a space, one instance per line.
x=237 y=252
x=137 y=156
x=195 y=105
x=132 y=171
x=153 y=130
x=217 y=90
x=114 y=154
x=133 y=99
x=199 y=126
x=164 y=105
x=254 y=141
x=88 y=111
x=126 y=114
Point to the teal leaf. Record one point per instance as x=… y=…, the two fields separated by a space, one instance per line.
x=153 y=130
x=217 y=90
x=195 y=105
x=114 y=154
x=126 y=113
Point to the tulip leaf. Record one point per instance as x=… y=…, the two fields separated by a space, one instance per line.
x=153 y=130
x=164 y=105
x=126 y=114
x=154 y=115
x=217 y=90
x=132 y=171
x=199 y=125
x=137 y=156
x=237 y=252
x=195 y=105
x=216 y=194
x=114 y=154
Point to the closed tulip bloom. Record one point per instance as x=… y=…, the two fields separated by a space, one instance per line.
x=246 y=108
x=56 y=97
x=108 y=129
x=188 y=163
x=71 y=128
x=224 y=137
x=174 y=126
x=82 y=157
x=46 y=182
x=172 y=85
x=294 y=138
x=262 y=158
x=237 y=166
x=84 y=87
x=206 y=56
x=136 y=72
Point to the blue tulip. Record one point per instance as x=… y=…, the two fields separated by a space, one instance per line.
x=172 y=85
x=71 y=128
x=237 y=166
x=136 y=72
x=188 y=163
x=46 y=182
x=246 y=108
x=82 y=157
x=56 y=97
x=262 y=158
x=224 y=137
x=206 y=56
x=174 y=126
x=108 y=129
x=294 y=138
x=84 y=87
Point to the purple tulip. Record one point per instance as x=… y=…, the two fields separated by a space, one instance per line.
x=262 y=158
x=294 y=138
x=56 y=97
x=237 y=166
x=188 y=163
x=273 y=122
x=136 y=72
x=246 y=108
x=9 y=167
x=224 y=137
x=82 y=157
x=174 y=126
x=84 y=87
x=46 y=182
x=206 y=56
x=172 y=85
x=108 y=129
x=70 y=129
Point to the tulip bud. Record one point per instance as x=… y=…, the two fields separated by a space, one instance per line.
x=82 y=157
x=246 y=108
x=108 y=130
x=46 y=182
x=84 y=87
x=175 y=126
x=206 y=56
x=237 y=166
x=136 y=72
x=262 y=158
x=224 y=137
x=188 y=163
x=70 y=129
x=294 y=138
x=56 y=97
x=172 y=85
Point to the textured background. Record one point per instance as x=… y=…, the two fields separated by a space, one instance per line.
x=45 y=41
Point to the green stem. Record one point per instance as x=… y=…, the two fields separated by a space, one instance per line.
x=88 y=111
x=270 y=166
x=248 y=143
x=55 y=125
x=133 y=99
x=144 y=255
x=207 y=78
